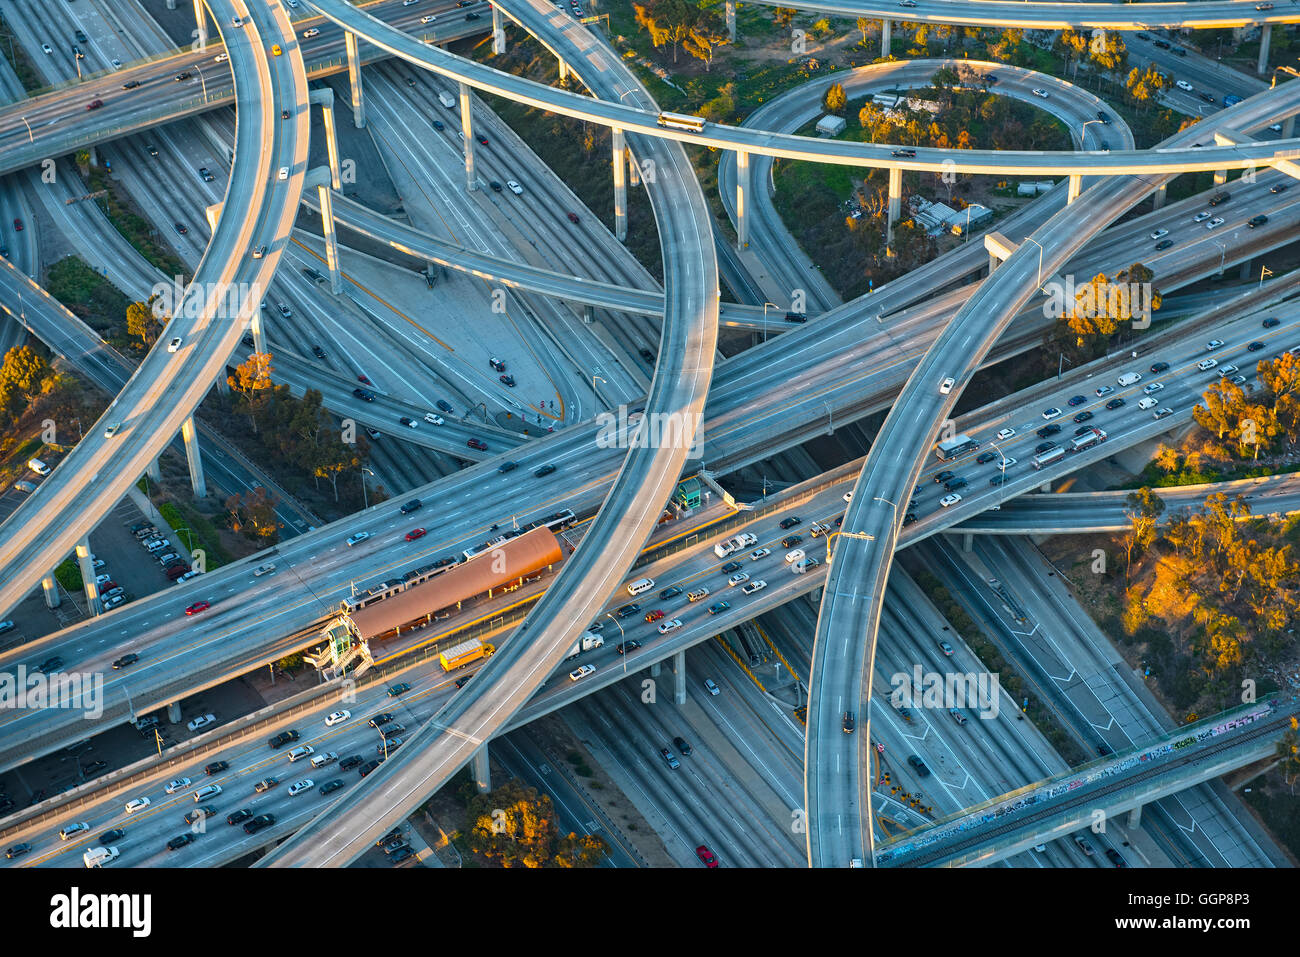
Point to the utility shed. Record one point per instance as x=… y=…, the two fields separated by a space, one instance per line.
x=831 y=125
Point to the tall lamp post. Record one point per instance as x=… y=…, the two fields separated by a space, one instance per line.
x=365 y=499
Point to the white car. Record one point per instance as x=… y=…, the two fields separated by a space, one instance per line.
x=180 y=784
x=236 y=22
x=1228 y=370
x=1104 y=391
x=1205 y=364
x=671 y=624
x=1202 y=216
x=117 y=65
x=1213 y=344
x=754 y=586
x=300 y=752
x=337 y=717
x=738 y=579
x=100 y=579
x=409 y=3
x=1041 y=94
x=1051 y=413
x=221 y=58
x=758 y=553
x=514 y=187
x=174 y=344
x=358 y=538
x=1005 y=434
x=710 y=686
x=1216 y=221
x=111 y=430
x=306 y=784
x=260 y=251
x=848 y=496
x=1153 y=388
x=263 y=569
x=794 y=555
x=308 y=34
x=283 y=174
x=73 y=829
x=46 y=48
x=950 y=500
x=429 y=19
x=1006 y=464
x=433 y=419
x=202 y=721
x=1146 y=403
x=1185 y=86
x=581 y=672
x=1160 y=234
x=946 y=385
x=138 y=804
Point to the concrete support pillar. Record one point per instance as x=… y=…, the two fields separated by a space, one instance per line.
x=467 y=127
x=885 y=26
x=1046 y=486
x=731 y=20
x=588 y=313
x=1220 y=177
x=171 y=4
x=259 y=332
x=223 y=387
x=498 y=32
x=968 y=542
x=320 y=177
x=1158 y=197
x=87 y=566
x=354 y=78
x=481 y=771
x=201 y=25
x=742 y=200
x=212 y=214
x=895 y=201
x=190 y=433
x=1074 y=188
x=1247 y=269
x=1288 y=128
x=620 y=186
x=1265 y=36
x=1135 y=818
x=993 y=263
x=325 y=99
x=174 y=712
x=655 y=669
x=564 y=70
x=50 y=588
x=633 y=170
x=154 y=471
x=679 y=682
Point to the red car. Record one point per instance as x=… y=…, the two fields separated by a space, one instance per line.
x=705 y=855
x=573 y=217
x=94 y=104
x=654 y=615
x=477 y=444
x=362 y=378
x=197 y=607
x=18 y=225
x=414 y=533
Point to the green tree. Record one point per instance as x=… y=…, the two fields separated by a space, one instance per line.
x=24 y=375
x=252 y=382
x=836 y=100
x=1144 y=510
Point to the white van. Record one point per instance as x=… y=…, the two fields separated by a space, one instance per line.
x=445 y=99
x=207 y=791
x=99 y=856
x=640 y=586
x=1130 y=378
x=37 y=466
x=1146 y=403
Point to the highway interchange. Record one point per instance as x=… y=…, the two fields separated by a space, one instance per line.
x=745 y=419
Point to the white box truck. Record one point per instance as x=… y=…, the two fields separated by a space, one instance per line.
x=446 y=99
x=99 y=856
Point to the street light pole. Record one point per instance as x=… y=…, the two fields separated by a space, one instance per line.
x=30 y=139
x=365 y=499
x=622 y=637
x=1040 y=259
x=203 y=82
x=765 y=305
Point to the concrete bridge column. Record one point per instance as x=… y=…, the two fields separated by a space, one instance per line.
x=731 y=20
x=87 y=566
x=174 y=712
x=200 y=24
x=498 y=32
x=679 y=682
x=480 y=769
x=1247 y=269
x=467 y=127
x=1135 y=818
x=633 y=170
x=1288 y=128
x=654 y=670
x=50 y=588
x=325 y=99
x=223 y=387
x=154 y=471
x=620 y=186
x=1158 y=197
x=354 y=79
x=564 y=70
x=742 y=198
x=171 y=4
x=885 y=26
x=968 y=542
x=588 y=313
x=1265 y=36
x=1074 y=188
x=895 y=201
x=259 y=332
x=190 y=433
x=1220 y=177
x=320 y=177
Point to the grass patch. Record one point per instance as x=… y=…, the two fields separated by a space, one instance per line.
x=12 y=51
x=202 y=534
x=134 y=228
x=68 y=574
x=87 y=295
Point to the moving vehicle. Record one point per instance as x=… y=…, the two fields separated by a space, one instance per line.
x=681 y=121
x=955 y=447
x=464 y=653
x=99 y=856
x=581 y=672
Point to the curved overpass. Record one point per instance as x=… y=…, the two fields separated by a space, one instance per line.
x=627 y=515
x=167 y=386
x=838 y=807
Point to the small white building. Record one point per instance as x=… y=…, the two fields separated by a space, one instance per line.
x=831 y=125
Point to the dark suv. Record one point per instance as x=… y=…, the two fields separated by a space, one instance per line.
x=284 y=737
x=1218 y=198
x=259 y=822
x=413 y=505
